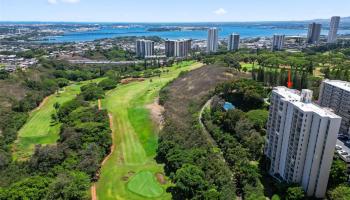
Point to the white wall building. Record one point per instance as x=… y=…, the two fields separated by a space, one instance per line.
x=277 y=42
x=144 y=48
x=333 y=29
x=335 y=94
x=212 y=42
x=233 y=42
x=301 y=138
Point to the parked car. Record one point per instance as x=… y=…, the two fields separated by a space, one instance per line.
x=340 y=152
x=338 y=147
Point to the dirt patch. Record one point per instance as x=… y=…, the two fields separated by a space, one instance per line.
x=131 y=173
x=41 y=104
x=99 y=104
x=93 y=192
x=156 y=112
x=129 y=80
x=161 y=178
x=126 y=177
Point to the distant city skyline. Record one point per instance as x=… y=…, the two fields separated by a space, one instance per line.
x=164 y=11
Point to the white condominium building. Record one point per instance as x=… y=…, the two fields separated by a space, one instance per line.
x=144 y=48
x=277 y=42
x=233 y=42
x=314 y=33
x=212 y=42
x=335 y=94
x=333 y=29
x=301 y=138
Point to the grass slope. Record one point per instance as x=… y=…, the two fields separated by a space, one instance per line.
x=135 y=138
x=39 y=128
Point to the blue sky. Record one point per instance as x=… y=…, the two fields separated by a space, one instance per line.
x=170 y=10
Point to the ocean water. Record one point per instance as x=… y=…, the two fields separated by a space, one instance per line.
x=246 y=30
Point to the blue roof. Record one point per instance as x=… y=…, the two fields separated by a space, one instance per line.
x=228 y=106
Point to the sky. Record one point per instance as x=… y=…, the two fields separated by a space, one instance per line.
x=171 y=10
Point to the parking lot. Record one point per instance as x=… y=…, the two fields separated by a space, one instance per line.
x=343 y=149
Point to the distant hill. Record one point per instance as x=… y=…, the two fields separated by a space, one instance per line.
x=343 y=19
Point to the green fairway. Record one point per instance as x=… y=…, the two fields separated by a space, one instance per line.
x=39 y=128
x=135 y=140
x=249 y=66
x=145 y=184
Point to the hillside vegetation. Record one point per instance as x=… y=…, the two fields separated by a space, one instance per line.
x=193 y=164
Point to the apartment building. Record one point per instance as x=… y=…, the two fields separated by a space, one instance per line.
x=212 y=42
x=177 y=48
x=301 y=138
x=277 y=42
x=314 y=33
x=335 y=94
x=333 y=29
x=233 y=42
x=144 y=48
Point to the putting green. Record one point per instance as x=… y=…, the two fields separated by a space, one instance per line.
x=135 y=137
x=39 y=128
x=145 y=184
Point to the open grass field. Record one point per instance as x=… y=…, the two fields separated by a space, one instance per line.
x=129 y=173
x=39 y=128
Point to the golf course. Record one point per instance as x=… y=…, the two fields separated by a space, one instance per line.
x=130 y=171
x=40 y=128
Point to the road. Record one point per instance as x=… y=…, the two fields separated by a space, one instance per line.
x=204 y=129
x=104 y=62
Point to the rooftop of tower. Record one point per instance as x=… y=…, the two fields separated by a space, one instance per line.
x=294 y=97
x=344 y=85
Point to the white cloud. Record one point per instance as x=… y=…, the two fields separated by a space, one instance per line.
x=62 y=1
x=52 y=1
x=220 y=11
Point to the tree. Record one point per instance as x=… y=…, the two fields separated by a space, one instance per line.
x=341 y=192
x=91 y=92
x=189 y=180
x=254 y=193
x=231 y=118
x=295 y=193
x=56 y=106
x=275 y=197
x=258 y=117
x=107 y=84
x=211 y=194
x=34 y=188
x=70 y=185
x=338 y=173
x=5 y=158
x=62 y=82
